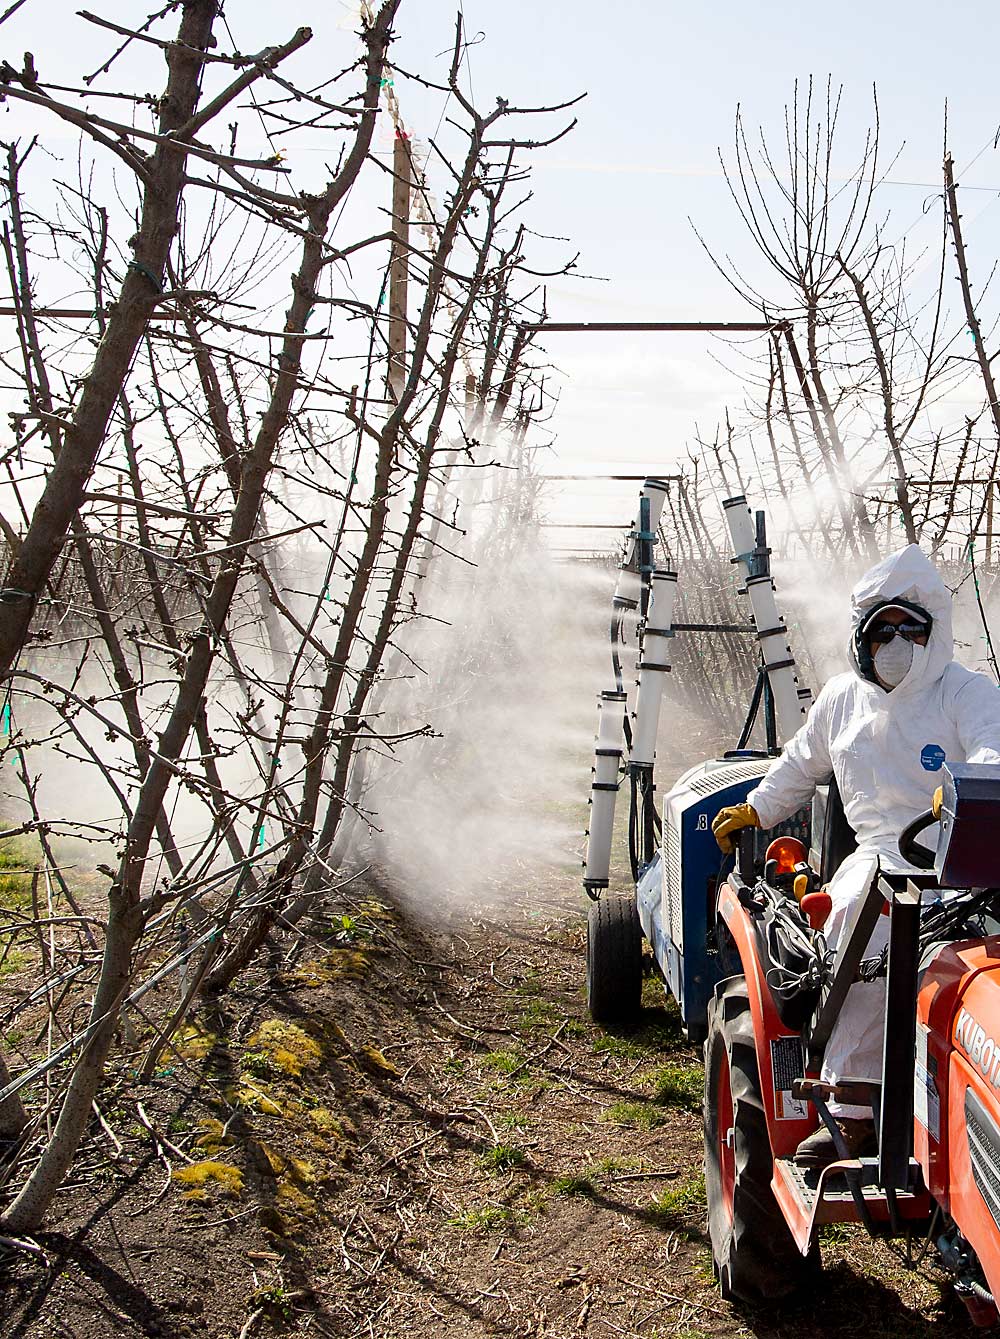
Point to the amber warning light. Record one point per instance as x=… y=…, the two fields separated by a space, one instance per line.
x=787 y=851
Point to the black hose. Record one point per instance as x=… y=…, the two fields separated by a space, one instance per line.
x=908 y=848
x=617 y=626
x=633 y=827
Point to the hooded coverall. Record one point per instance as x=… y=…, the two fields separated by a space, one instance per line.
x=885 y=750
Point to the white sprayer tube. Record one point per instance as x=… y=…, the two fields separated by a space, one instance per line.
x=791 y=702
x=628 y=589
x=604 y=790
x=654 y=491
x=654 y=665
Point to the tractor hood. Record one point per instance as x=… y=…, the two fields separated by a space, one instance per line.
x=908 y=575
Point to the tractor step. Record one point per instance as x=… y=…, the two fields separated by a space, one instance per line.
x=809 y=1198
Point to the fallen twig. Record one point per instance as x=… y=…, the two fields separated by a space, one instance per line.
x=17 y=1244
x=162 y=1140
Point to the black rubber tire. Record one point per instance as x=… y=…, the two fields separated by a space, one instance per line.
x=614 y=960
x=755 y=1256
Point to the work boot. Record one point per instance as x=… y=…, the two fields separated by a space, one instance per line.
x=819 y=1150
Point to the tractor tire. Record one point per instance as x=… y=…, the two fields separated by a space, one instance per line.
x=614 y=960
x=755 y=1256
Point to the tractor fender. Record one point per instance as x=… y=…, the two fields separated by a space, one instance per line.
x=960 y=1000
x=779 y=1050
x=943 y=994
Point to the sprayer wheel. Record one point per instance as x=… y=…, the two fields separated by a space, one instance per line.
x=614 y=960
x=756 y=1259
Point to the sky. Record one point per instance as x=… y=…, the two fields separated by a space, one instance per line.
x=662 y=83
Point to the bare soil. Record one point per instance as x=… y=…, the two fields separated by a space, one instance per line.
x=392 y=1130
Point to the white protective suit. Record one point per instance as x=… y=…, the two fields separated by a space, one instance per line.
x=885 y=750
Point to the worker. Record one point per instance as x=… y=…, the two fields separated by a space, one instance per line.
x=883 y=730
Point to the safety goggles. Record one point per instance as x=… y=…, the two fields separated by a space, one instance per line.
x=881 y=633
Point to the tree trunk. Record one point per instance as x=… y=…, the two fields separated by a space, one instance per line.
x=67 y=479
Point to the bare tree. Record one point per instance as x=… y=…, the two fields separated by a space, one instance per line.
x=206 y=451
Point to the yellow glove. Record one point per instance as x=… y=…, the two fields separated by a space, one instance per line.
x=936 y=801
x=730 y=820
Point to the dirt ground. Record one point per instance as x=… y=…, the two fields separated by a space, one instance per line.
x=392 y=1131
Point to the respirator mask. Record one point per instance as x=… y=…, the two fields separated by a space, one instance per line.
x=893 y=660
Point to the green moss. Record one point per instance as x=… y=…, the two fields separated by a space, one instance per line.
x=192 y=1042
x=213 y=1135
x=200 y=1175
x=324 y=1120
x=340 y=964
x=376 y=1060
x=251 y=1097
x=293 y=1204
x=285 y=1048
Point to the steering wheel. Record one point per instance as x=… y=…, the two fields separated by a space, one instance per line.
x=908 y=848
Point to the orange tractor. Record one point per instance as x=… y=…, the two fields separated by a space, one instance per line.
x=745 y=957
x=936 y=1176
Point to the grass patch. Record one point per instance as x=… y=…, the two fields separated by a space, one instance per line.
x=504 y=1062
x=539 y=1014
x=503 y=1158
x=634 y=1115
x=485 y=1218
x=514 y=1120
x=535 y=1201
x=575 y=1183
x=531 y=984
x=605 y=1166
x=673 y=1205
x=589 y=1179
x=678 y=1086
x=623 y=1048
x=661 y=1029
x=14 y=962
x=16 y=861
